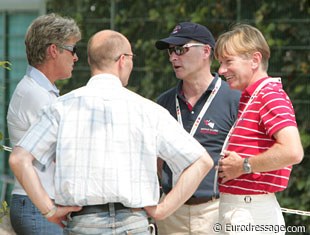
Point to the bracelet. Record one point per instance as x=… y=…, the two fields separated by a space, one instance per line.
x=51 y=212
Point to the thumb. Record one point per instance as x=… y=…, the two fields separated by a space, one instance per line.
x=74 y=208
x=69 y=209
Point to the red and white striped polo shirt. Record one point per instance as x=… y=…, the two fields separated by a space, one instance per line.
x=269 y=112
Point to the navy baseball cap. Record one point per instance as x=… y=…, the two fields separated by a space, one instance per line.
x=185 y=32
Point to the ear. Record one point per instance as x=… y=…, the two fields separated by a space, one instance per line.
x=52 y=51
x=88 y=60
x=122 y=61
x=256 y=59
x=207 y=49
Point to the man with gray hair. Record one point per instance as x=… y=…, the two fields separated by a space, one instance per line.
x=51 y=51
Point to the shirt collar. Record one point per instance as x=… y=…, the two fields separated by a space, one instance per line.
x=41 y=79
x=180 y=92
x=106 y=78
x=250 y=89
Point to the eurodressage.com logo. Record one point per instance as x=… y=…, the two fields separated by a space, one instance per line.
x=218 y=228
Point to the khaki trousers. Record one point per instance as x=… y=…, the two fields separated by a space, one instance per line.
x=191 y=219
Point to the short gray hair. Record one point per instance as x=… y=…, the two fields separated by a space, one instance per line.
x=46 y=30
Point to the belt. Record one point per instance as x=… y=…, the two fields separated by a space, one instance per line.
x=200 y=200
x=98 y=209
x=233 y=198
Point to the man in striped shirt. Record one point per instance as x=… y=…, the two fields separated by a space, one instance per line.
x=263 y=144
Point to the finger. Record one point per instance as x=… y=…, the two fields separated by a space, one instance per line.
x=61 y=224
x=75 y=208
x=70 y=209
x=220 y=167
x=221 y=162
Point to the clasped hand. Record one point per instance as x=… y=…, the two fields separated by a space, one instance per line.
x=230 y=166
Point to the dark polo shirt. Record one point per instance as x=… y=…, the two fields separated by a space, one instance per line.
x=212 y=130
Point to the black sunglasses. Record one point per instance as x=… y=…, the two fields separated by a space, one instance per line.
x=71 y=48
x=181 y=50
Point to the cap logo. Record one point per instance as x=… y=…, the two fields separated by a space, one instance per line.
x=176 y=29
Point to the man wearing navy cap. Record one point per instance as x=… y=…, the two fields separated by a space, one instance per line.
x=207 y=108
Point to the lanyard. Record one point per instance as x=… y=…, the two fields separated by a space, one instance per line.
x=253 y=96
x=203 y=110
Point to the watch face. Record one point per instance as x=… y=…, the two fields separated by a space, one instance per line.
x=246 y=166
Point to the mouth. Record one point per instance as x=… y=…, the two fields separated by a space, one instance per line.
x=176 y=67
x=228 y=78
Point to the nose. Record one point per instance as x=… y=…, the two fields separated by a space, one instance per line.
x=172 y=56
x=222 y=69
x=75 y=57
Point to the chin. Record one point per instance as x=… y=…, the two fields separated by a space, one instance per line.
x=124 y=83
x=231 y=86
x=66 y=77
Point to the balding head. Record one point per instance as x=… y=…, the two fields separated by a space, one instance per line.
x=104 y=47
x=108 y=52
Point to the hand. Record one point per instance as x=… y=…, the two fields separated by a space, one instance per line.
x=153 y=211
x=230 y=166
x=61 y=214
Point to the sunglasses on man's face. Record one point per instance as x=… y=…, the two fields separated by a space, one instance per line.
x=181 y=50
x=71 y=48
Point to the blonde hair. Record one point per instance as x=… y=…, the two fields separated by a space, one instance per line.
x=242 y=40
